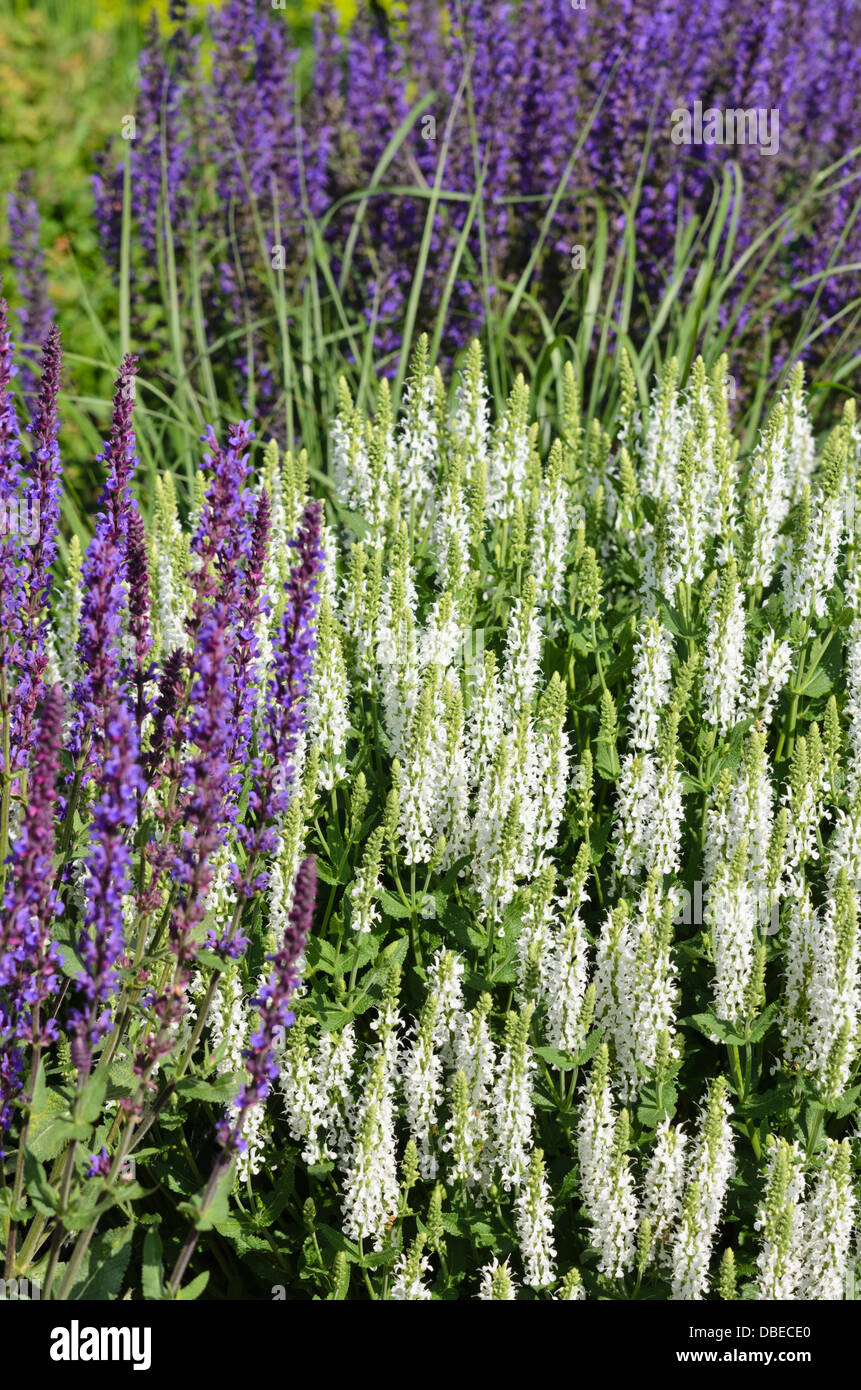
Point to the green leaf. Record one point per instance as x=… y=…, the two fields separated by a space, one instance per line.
x=763 y=1023
x=152 y=1274
x=847 y=1103
x=220 y=1091
x=194 y=1289
x=211 y=961
x=52 y=1126
x=715 y=1029
x=110 y=1259
x=563 y=1061
x=88 y=1105
x=393 y=907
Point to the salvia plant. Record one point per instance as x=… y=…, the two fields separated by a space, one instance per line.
x=447 y=893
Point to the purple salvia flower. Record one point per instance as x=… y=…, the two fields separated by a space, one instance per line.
x=223 y=537
x=28 y=959
x=273 y=1006
x=206 y=803
x=11 y=593
x=293 y=653
x=104 y=579
x=41 y=507
x=252 y=604
x=28 y=259
x=109 y=880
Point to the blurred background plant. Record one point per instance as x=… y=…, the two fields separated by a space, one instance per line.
x=303 y=189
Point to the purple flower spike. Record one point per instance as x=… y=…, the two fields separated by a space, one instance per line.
x=28 y=259
x=41 y=513
x=29 y=962
x=273 y=1001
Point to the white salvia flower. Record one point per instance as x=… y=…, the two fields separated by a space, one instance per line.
x=496 y=1283
x=803 y=799
x=650 y=682
x=595 y=1129
x=397 y=646
x=445 y=982
x=780 y=1218
x=712 y=1166
x=522 y=653
x=416 y=439
x=510 y=453
x=421 y=779
x=828 y=1221
x=689 y=512
x=284 y=867
x=485 y=722
x=571 y=1289
x=635 y=993
x=660 y=436
x=853 y=698
x=800 y=446
x=407 y=1275
x=327 y=713
x=470 y=424
x=304 y=1103
x=663 y=1186
x=549 y=534
x=723 y=667
x=662 y=849
x=335 y=1062
x=67 y=619
x=421 y=1074
x=810 y=566
x=534 y=941
x=512 y=1109
x=567 y=967
x=770 y=674
x=169 y=602
x=366 y=887
x=844 y=847
x=821 y=1000
x=751 y=813
x=451 y=813
x=768 y=499
x=370 y=1190
x=731 y=913
x=635 y=812
x=651 y=990
x=546 y=779
x=442 y=637
x=230 y=1027
x=497 y=832
x=363 y=458
x=534 y=1221
x=468 y=1125
x=451 y=534
x=606 y=1182
x=228 y=1022
x=614 y=1213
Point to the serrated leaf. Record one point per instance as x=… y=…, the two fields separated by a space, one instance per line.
x=763 y=1023
x=393 y=907
x=110 y=1259
x=715 y=1029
